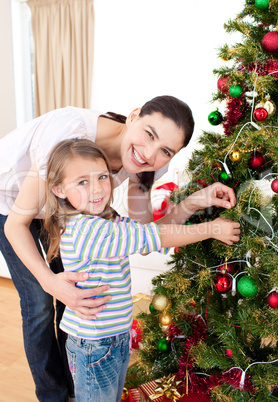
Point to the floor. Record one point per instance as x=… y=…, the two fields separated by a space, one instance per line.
x=16 y=383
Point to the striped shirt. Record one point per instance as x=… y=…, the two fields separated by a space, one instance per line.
x=101 y=248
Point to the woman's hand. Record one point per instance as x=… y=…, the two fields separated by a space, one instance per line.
x=81 y=301
x=217 y=194
x=225 y=230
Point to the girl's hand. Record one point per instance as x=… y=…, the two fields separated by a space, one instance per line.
x=217 y=195
x=81 y=301
x=225 y=230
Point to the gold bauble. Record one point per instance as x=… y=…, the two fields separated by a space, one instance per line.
x=160 y=302
x=235 y=155
x=165 y=319
x=169 y=305
x=125 y=395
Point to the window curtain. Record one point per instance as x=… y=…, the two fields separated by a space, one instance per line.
x=63 y=32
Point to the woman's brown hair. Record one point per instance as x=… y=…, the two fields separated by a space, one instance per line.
x=57 y=209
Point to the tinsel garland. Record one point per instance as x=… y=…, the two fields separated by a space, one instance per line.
x=233 y=113
x=270 y=66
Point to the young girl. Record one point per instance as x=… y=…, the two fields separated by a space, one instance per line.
x=94 y=240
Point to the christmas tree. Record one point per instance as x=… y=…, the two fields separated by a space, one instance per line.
x=214 y=315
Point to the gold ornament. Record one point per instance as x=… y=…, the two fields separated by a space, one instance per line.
x=165 y=319
x=169 y=305
x=160 y=302
x=268 y=105
x=125 y=396
x=167 y=387
x=235 y=155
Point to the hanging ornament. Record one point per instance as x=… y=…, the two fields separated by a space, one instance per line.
x=125 y=395
x=247 y=287
x=256 y=161
x=268 y=105
x=270 y=42
x=160 y=302
x=261 y=4
x=260 y=114
x=217 y=166
x=227 y=268
x=202 y=183
x=272 y=299
x=152 y=309
x=222 y=283
x=274 y=185
x=215 y=118
x=165 y=319
x=235 y=91
x=229 y=353
x=235 y=155
x=176 y=250
x=163 y=345
x=223 y=177
x=222 y=84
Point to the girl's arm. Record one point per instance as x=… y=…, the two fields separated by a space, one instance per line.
x=28 y=204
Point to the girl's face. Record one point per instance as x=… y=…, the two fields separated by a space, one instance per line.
x=149 y=142
x=86 y=185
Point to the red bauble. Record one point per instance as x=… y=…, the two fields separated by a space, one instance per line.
x=270 y=42
x=222 y=283
x=274 y=186
x=202 y=183
x=260 y=114
x=272 y=299
x=222 y=84
x=137 y=337
x=256 y=161
x=176 y=250
x=229 y=353
x=227 y=268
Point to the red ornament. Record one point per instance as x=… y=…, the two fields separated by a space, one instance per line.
x=202 y=183
x=227 y=268
x=272 y=299
x=137 y=337
x=217 y=166
x=256 y=161
x=176 y=250
x=192 y=302
x=222 y=283
x=274 y=186
x=260 y=114
x=270 y=42
x=229 y=353
x=222 y=84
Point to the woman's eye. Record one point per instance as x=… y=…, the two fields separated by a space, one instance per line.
x=167 y=153
x=150 y=134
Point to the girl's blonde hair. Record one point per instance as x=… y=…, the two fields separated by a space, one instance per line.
x=57 y=209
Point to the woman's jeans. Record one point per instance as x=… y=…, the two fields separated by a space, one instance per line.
x=45 y=351
x=98 y=367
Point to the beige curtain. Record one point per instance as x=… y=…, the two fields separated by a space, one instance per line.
x=63 y=32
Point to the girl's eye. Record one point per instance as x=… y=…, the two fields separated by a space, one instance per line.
x=103 y=177
x=83 y=182
x=150 y=134
x=167 y=153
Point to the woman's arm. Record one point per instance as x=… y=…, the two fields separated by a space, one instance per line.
x=139 y=203
x=28 y=203
x=216 y=194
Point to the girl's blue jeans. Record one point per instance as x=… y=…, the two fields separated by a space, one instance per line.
x=98 y=367
x=45 y=351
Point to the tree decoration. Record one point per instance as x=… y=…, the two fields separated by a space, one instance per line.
x=215 y=118
x=160 y=302
x=247 y=287
x=270 y=42
x=163 y=345
x=235 y=91
x=223 y=177
x=268 y=105
x=235 y=155
x=272 y=299
x=261 y=4
x=229 y=353
x=222 y=283
x=256 y=161
x=222 y=84
x=152 y=309
x=165 y=319
x=274 y=186
x=260 y=114
x=227 y=268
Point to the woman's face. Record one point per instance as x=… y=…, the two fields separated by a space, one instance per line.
x=150 y=142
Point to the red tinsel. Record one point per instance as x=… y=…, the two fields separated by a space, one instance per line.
x=233 y=113
x=268 y=67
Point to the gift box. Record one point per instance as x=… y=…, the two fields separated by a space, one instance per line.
x=148 y=393
x=134 y=395
x=141 y=303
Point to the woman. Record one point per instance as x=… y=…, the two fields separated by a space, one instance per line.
x=139 y=148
